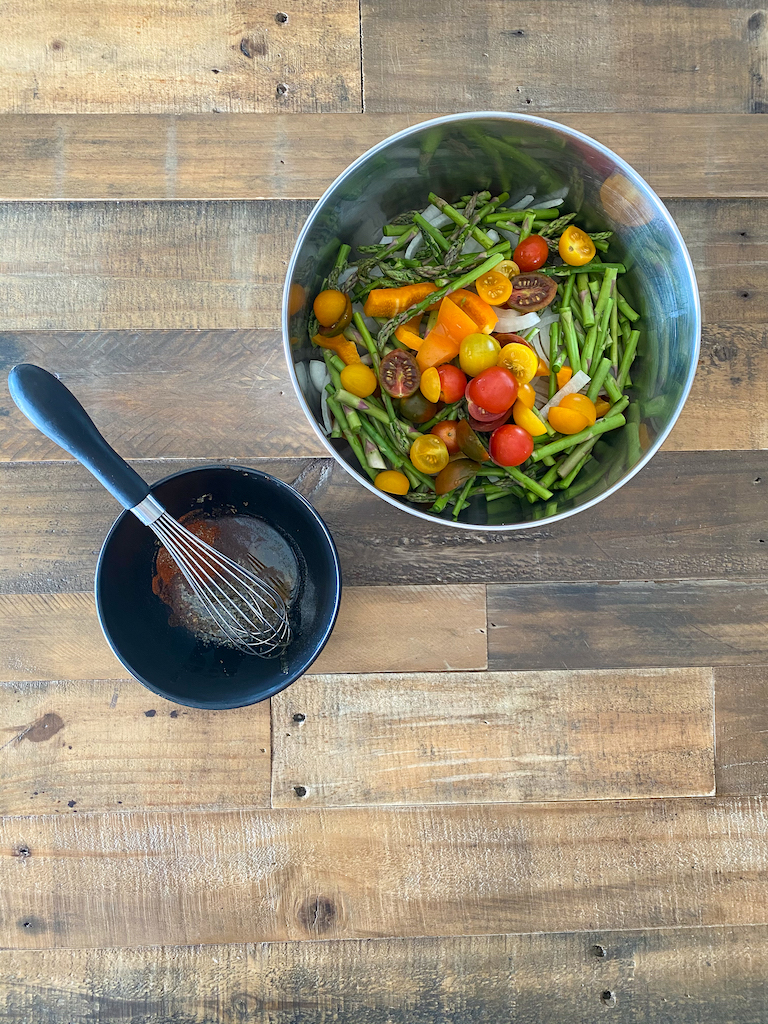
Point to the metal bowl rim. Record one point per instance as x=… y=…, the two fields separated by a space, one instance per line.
x=633 y=176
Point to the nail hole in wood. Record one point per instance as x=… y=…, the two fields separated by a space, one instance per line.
x=608 y=998
x=598 y=950
x=281 y=89
x=300 y=790
x=281 y=18
x=298 y=717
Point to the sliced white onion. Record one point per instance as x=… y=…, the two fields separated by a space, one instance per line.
x=413 y=246
x=577 y=382
x=385 y=240
x=493 y=234
x=325 y=413
x=432 y=214
x=318 y=374
x=510 y=320
x=522 y=203
x=302 y=376
x=559 y=193
x=548 y=204
x=548 y=317
x=539 y=348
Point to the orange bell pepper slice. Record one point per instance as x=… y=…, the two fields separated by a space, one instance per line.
x=542 y=370
x=476 y=308
x=344 y=348
x=455 y=323
x=563 y=376
x=388 y=302
x=438 y=348
x=414 y=341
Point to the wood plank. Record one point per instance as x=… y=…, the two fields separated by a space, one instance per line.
x=209 y=394
x=221 y=265
x=684 y=57
x=493 y=737
x=741 y=765
x=166 y=394
x=118 y=58
x=55 y=517
x=71 y=747
x=149 y=878
x=627 y=625
x=239 y=156
x=57 y=636
x=689 y=975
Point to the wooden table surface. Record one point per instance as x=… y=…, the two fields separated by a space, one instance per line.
x=526 y=780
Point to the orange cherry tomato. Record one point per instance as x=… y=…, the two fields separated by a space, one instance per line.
x=476 y=308
x=296 y=299
x=493 y=288
x=391 y=481
x=563 y=376
x=527 y=395
x=446 y=431
x=567 y=421
x=582 y=404
x=527 y=419
x=329 y=307
x=575 y=246
x=429 y=454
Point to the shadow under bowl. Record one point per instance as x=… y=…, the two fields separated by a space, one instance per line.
x=170 y=660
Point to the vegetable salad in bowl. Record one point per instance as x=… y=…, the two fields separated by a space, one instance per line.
x=480 y=348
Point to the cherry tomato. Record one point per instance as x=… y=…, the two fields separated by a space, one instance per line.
x=508 y=268
x=601 y=407
x=524 y=417
x=493 y=288
x=485 y=426
x=567 y=421
x=520 y=360
x=495 y=389
x=429 y=454
x=417 y=408
x=452 y=383
x=531 y=292
x=455 y=474
x=335 y=312
x=510 y=445
x=359 y=379
x=575 y=246
x=527 y=395
x=477 y=353
x=391 y=481
x=470 y=443
x=563 y=376
x=531 y=253
x=399 y=374
x=477 y=414
x=446 y=431
x=582 y=404
x=430 y=384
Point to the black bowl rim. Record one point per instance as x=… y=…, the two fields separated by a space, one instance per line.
x=293 y=676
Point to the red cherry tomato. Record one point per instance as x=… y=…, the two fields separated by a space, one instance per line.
x=532 y=253
x=510 y=445
x=485 y=427
x=479 y=414
x=495 y=389
x=446 y=431
x=452 y=383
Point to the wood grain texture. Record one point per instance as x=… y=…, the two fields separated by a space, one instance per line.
x=221 y=265
x=102 y=266
x=166 y=394
x=269 y=156
x=741 y=700
x=57 y=636
x=197 y=877
x=493 y=737
x=55 y=517
x=685 y=975
x=220 y=55
x=591 y=625
x=91 y=745
x=214 y=394
x=685 y=57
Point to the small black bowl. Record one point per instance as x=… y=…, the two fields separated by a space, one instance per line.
x=169 y=660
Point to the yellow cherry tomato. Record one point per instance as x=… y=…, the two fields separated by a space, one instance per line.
x=359 y=380
x=430 y=384
x=601 y=407
x=493 y=288
x=508 y=268
x=563 y=376
x=521 y=360
x=527 y=395
x=567 y=421
x=429 y=454
x=576 y=247
x=527 y=419
x=329 y=307
x=477 y=353
x=392 y=481
x=582 y=404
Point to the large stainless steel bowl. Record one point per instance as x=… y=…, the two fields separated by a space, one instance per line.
x=522 y=155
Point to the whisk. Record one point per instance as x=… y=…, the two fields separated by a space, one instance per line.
x=249 y=612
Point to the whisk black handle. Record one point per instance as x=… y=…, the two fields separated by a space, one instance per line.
x=55 y=411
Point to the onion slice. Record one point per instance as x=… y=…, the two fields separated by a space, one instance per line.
x=575 y=384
